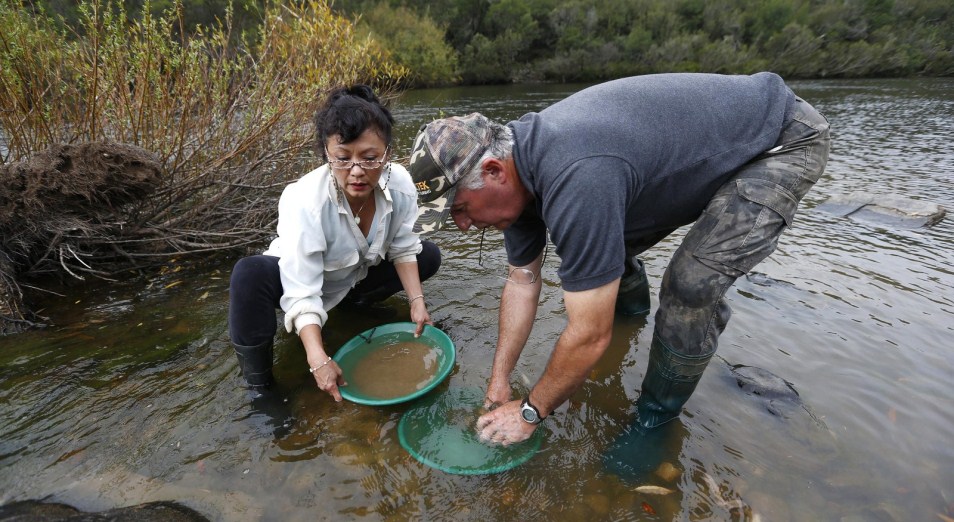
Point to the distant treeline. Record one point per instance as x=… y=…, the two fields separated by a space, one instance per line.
x=494 y=41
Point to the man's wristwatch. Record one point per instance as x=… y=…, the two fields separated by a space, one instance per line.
x=529 y=413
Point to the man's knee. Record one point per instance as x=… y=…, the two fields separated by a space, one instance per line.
x=694 y=284
x=429 y=260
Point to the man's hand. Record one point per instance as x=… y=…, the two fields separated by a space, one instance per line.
x=497 y=394
x=504 y=425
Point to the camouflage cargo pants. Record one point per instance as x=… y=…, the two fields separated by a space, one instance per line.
x=738 y=228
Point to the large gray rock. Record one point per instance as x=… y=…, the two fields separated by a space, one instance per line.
x=761 y=382
x=777 y=395
x=886 y=209
x=36 y=510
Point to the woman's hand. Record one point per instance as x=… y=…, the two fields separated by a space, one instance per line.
x=411 y=281
x=420 y=316
x=328 y=376
x=326 y=371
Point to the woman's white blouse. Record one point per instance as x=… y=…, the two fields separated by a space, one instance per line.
x=322 y=253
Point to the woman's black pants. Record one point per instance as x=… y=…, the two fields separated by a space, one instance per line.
x=256 y=288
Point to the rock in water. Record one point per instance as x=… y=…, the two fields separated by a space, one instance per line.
x=779 y=396
x=35 y=510
x=761 y=382
x=887 y=210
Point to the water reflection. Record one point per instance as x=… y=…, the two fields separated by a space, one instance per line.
x=135 y=395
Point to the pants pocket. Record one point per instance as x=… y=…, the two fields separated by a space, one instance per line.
x=748 y=222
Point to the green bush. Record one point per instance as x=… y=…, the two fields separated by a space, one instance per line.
x=413 y=41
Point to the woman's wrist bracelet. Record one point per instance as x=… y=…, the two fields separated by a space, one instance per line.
x=320 y=366
x=415 y=298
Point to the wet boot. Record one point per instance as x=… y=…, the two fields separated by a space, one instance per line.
x=633 y=295
x=670 y=380
x=256 y=364
x=638 y=453
x=643 y=447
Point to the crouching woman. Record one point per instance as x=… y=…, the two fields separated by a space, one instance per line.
x=344 y=233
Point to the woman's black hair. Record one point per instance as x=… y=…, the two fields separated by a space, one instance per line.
x=348 y=112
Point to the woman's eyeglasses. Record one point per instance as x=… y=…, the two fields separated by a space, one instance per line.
x=364 y=164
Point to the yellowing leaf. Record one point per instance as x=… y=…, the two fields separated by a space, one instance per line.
x=653 y=490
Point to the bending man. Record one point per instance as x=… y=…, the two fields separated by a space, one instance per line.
x=608 y=172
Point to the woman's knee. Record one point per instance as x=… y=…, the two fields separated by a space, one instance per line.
x=255 y=274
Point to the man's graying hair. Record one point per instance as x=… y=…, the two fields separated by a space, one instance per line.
x=500 y=147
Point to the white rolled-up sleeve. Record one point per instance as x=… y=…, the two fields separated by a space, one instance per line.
x=302 y=260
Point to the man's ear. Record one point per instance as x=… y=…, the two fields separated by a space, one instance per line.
x=493 y=169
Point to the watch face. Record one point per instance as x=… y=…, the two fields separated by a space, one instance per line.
x=528 y=415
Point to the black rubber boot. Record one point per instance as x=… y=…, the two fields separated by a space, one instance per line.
x=256 y=364
x=670 y=380
x=633 y=296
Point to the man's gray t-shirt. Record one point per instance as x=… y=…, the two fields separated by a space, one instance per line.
x=634 y=158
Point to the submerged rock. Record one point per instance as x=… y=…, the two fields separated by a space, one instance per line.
x=35 y=510
x=887 y=209
x=781 y=400
x=761 y=382
x=779 y=396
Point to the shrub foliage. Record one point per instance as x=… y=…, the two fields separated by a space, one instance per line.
x=217 y=122
x=589 y=40
x=229 y=124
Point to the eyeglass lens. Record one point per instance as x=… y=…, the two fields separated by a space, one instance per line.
x=348 y=165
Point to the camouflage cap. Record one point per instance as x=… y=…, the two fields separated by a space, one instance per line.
x=444 y=151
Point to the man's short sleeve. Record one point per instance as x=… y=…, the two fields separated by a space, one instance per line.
x=585 y=211
x=525 y=238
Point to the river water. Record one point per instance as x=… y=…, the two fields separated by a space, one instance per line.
x=135 y=394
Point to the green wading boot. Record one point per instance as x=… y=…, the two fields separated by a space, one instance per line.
x=256 y=364
x=639 y=452
x=643 y=447
x=670 y=380
x=633 y=295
